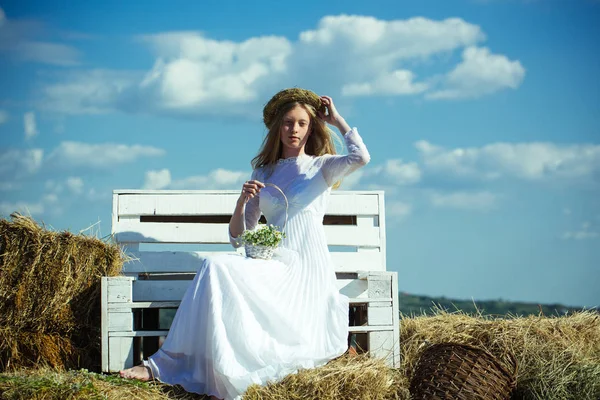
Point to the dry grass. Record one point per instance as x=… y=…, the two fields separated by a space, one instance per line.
x=49 y=316
x=347 y=377
x=49 y=384
x=50 y=292
x=559 y=358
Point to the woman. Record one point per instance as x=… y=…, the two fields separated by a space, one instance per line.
x=244 y=320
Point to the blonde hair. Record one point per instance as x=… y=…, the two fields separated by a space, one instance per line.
x=322 y=140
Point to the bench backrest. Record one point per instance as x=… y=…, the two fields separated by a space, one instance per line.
x=143 y=221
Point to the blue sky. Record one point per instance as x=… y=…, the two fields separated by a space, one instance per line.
x=482 y=118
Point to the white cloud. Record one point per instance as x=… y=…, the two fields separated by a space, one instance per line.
x=15 y=164
x=480 y=73
x=3 y=116
x=351 y=180
x=47 y=53
x=216 y=179
x=390 y=40
x=102 y=156
x=480 y=201
x=398 y=209
x=193 y=71
x=24 y=208
x=585 y=232
x=18 y=40
x=92 y=92
x=396 y=170
x=399 y=82
x=75 y=184
x=197 y=75
x=528 y=161
x=50 y=198
x=157 y=179
x=8 y=186
x=402 y=173
x=30 y=125
x=53 y=186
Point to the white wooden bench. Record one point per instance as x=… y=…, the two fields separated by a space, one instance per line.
x=158 y=227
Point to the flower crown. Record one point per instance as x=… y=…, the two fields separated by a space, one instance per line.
x=287 y=96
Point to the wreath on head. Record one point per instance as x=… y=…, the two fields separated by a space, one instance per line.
x=287 y=96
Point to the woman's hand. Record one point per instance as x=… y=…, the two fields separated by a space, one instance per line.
x=250 y=189
x=332 y=116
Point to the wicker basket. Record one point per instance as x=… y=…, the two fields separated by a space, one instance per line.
x=462 y=372
x=265 y=252
x=262 y=252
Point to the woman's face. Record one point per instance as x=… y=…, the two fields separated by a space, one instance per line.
x=295 y=129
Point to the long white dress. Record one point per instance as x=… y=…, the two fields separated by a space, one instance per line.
x=245 y=321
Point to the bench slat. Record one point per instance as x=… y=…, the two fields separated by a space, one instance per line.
x=131 y=231
x=212 y=203
x=154 y=290
x=163 y=332
x=122 y=307
x=177 y=262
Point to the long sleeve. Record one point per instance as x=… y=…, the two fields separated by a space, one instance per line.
x=335 y=167
x=251 y=213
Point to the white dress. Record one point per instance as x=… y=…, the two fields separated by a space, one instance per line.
x=245 y=321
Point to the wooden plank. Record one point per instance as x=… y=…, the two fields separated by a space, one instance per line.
x=379 y=315
x=120 y=351
x=194 y=191
x=367 y=329
x=175 y=202
x=381 y=345
x=181 y=261
x=115 y=212
x=396 y=319
x=178 y=204
x=104 y=322
x=168 y=261
x=154 y=333
x=164 y=332
x=155 y=232
x=359 y=261
x=382 y=231
x=122 y=307
x=118 y=289
x=380 y=285
x=152 y=290
x=120 y=321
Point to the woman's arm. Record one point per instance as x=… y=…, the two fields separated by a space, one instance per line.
x=335 y=167
x=249 y=198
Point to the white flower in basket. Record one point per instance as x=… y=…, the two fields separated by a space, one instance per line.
x=264 y=239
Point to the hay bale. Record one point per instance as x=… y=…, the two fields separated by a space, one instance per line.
x=347 y=377
x=558 y=357
x=50 y=295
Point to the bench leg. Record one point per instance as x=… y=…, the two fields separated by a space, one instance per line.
x=121 y=353
x=381 y=345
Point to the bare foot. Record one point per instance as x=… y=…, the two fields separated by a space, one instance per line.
x=140 y=372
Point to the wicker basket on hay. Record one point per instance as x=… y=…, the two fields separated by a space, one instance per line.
x=462 y=372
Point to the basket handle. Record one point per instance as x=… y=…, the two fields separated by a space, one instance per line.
x=286 y=207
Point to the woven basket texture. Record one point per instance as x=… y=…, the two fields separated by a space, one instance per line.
x=262 y=252
x=461 y=372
